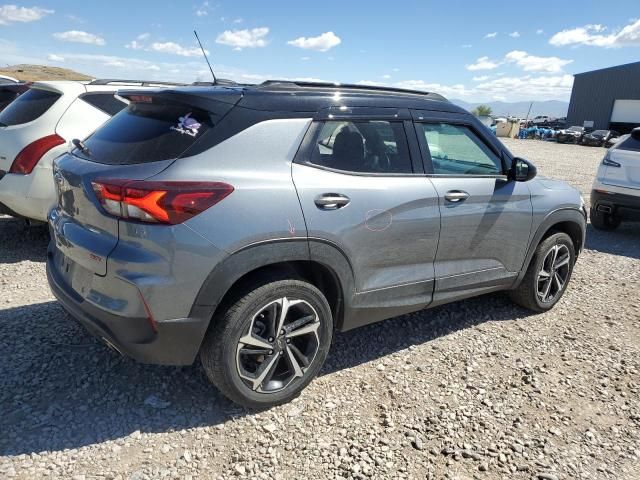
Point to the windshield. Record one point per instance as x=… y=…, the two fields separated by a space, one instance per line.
x=575 y=129
x=600 y=133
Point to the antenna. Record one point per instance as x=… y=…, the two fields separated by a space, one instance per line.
x=205 y=57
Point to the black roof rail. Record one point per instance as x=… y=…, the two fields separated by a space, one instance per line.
x=350 y=86
x=140 y=83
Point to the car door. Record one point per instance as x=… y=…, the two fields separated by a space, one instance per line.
x=485 y=217
x=361 y=192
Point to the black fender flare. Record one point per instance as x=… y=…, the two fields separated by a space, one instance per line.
x=564 y=215
x=271 y=252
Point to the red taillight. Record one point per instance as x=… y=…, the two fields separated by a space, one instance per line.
x=158 y=202
x=30 y=155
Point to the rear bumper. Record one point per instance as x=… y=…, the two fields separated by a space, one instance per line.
x=626 y=207
x=172 y=342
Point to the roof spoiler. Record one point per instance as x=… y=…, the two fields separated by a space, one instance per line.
x=216 y=101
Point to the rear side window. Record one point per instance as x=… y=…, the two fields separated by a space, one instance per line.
x=457 y=150
x=106 y=102
x=630 y=144
x=144 y=133
x=6 y=97
x=28 y=107
x=373 y=146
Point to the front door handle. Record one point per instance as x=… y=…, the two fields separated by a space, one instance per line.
x=456 y=196
x=331 y=201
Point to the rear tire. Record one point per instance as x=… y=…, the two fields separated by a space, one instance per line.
x=258 y=357
x=603 y=221
x=548 y=274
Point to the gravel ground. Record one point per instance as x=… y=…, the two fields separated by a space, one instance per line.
x=478 y=389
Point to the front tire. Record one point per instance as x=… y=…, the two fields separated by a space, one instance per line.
x=266 y=347
x=603 y=221
x=548 y=274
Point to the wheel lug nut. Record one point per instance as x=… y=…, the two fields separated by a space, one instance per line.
x=281 y=352
x=288 y=340
x=270 y=339
x=270 y=352
x=282 y=332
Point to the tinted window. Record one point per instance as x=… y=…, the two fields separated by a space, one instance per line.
x=28 y=107
x=630 y=144
x=456 y=150
x=147 y=133
x=6 y=97
x=373 y=146
x=107 y=102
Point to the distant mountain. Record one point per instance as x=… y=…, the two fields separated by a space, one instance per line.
x=552 y=108
x=32 y=73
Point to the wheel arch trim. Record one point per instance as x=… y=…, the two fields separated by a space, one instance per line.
x=557 y=217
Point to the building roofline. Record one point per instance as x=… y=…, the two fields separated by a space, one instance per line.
x=615 y=67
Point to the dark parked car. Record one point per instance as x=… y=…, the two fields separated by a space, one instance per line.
x=244 y=225
x=599 y=138
x=570 y=135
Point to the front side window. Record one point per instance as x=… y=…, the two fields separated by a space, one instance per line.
x=28 y=107
x=373 y=146
x=457 y=150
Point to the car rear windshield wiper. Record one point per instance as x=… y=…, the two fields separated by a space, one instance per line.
x=79 y=144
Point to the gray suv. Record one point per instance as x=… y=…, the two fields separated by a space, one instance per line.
x=247 y=224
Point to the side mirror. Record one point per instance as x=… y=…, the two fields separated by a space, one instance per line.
x=523 y=170
x=635 y=133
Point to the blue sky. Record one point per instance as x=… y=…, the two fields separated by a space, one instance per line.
x=474 y=51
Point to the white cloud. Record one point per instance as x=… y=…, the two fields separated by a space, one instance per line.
x=238 y=20
x=305 y=58
x=491 y=35
x=321 y=43
x=55 y=58
x=457 y=90
x=481 y=78
x=203 y=10
x=502 y=88
x=13 y=14
x=78 y=36
x=514 y=34
x=467 y=45
x=240 y=39
x=386 y=77
x=539 y=31
x=594 y=35
x=176 y=49
x=483 y=63
x=136 y=44
x=531 y=63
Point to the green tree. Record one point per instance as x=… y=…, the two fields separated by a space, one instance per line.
x=482 y=111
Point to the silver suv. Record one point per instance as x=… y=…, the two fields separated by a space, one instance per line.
x=247 y=224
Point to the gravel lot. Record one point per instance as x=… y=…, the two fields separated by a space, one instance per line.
x=479 y=389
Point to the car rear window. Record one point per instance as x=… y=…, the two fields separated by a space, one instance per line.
x=28 y=107
x=630 y=144
x=145 y=132
x=106 y=102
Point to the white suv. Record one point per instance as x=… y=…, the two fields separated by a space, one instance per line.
x=39 y=125
x=616 y=191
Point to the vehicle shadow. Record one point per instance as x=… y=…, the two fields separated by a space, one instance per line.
x=623 y=241
x=60 y=388
x=20 y=242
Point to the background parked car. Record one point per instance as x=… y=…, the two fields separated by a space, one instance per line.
x=570 y=135
x=616 y=190
x=598 y=138
x=38 y=126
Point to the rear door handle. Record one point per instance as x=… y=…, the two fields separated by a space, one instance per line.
x=331 y=201
x=456 y=196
